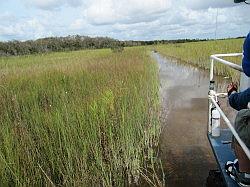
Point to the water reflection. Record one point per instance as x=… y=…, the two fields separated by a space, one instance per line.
x=184 y=146
x=179 y=83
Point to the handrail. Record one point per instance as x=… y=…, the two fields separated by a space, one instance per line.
x=213 y=95
x=242 y=144
x=230 y=64
x=228 y=55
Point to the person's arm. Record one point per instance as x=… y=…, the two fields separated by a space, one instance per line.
x=239 y=100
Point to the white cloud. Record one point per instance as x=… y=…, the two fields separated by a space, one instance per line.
x=53 y=4
x=7 y=17
x=184 y=22
x=25 y=29
x=78 y=24
x=45 y=4
x=101 y=12
x=74 y=3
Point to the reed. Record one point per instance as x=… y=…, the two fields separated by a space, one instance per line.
x=198 y=54
x=83 y=118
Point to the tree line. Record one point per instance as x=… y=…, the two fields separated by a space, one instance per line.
x=71 y=43
x=44 y=45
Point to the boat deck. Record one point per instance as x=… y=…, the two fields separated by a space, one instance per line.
x=223 y=152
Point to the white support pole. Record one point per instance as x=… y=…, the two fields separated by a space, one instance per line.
x=212 y=69
x=209 y=127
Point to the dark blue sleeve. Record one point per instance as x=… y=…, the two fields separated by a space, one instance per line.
x=240 y=100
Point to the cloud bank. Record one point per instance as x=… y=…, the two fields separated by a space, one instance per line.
x=124 y=19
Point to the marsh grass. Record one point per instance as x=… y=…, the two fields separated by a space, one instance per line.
x=198 y=54
x=84 y=118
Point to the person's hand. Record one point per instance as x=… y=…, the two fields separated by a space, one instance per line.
x=232 y=87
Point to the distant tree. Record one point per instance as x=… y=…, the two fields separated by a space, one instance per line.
x=117 y=47
x=74 y=42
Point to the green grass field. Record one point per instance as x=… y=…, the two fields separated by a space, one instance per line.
x=88 y=118
x=84 y=118
x=198 y=54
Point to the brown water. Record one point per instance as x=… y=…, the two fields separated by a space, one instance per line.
x=185 y=151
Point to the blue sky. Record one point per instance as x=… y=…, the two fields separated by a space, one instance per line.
x=123 y=19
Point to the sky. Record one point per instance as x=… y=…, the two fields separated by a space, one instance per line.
x=123 y=19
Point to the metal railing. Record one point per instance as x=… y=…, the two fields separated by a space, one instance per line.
x=213 y=97
x=230 y=64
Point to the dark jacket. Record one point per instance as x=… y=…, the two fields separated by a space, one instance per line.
x=246 y=56
x=240 y=100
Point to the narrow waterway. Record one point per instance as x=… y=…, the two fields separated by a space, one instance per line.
x=185 y=151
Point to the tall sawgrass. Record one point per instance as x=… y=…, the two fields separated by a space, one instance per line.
x=85 y=118
x=198 y=54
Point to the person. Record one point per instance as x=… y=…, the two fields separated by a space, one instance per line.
x=239 y=169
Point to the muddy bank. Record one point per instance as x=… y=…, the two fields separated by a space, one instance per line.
x=185 y=151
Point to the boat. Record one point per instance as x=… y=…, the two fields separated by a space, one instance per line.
x=221 y=139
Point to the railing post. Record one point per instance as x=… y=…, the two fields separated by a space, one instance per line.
x=211 y=89
x=209 y=127
x=210 y=105
x=212 y=69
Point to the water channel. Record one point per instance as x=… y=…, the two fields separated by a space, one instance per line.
x=185 y=152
